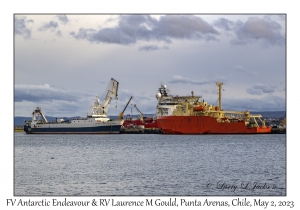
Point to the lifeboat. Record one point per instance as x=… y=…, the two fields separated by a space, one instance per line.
x=198 y=108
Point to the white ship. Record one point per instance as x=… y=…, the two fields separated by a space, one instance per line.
x=96 y=121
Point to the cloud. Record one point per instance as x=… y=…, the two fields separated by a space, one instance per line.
x=253 y=74
x=240 y=69
x=133 y=28
x=51 y=25
x=180 y=79
x=224 y=24
x=260 y=89
x=266 y=31
x=58 y=33
x=282 y=17
x=55 y=108
x=63 y=18
x=36 y=93
x=152 y=48
x=185 y=26
x=21 y=27
x=266 y=103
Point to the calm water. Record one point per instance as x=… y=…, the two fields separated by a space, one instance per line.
x=171 y=165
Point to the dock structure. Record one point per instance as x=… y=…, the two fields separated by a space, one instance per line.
x=19 y=129
x=278 y=130
x=140 y=130
x=281 y=128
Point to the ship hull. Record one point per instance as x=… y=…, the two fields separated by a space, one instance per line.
x=109 y=129
x=205 y=125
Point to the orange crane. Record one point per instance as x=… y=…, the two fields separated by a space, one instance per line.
x=122 y=113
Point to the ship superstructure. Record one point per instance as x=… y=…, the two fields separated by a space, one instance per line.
x=96 y=121
x=167 y=103
x=191 y=116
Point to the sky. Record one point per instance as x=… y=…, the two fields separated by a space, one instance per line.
x=62 y=61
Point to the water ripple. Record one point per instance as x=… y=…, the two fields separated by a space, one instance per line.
x=149 y=165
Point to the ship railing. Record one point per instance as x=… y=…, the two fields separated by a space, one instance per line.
x=42 y=122
x=79 y=118
x=233 y=112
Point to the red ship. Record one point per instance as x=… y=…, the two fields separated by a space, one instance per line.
x=191 y=116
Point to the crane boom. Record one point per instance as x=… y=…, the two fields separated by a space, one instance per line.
x=110 y=93
x=142 y=115
x=122 y=113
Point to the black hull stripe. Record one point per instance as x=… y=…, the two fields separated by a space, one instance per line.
x=73 y=133
x=77 y=130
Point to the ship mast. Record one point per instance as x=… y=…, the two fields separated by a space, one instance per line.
x=219 y=84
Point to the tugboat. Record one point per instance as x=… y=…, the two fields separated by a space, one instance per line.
x=188 y=115
x=96 y=121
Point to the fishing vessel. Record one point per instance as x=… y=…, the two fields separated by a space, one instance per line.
x=190 y=115
x=96 y=121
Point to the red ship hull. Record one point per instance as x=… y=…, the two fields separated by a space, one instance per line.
x=205 y=125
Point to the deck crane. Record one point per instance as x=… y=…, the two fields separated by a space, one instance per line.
x=122 y=113
x=38 y=112
x=111 y=92
x=142 y=115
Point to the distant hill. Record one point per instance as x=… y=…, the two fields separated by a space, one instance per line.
x=269 y=114
x=19 y=121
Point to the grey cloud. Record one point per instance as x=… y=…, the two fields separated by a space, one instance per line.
x=58 y=33
x=83 y=33
x=184 y=26
x=152 y=48
x=267 y=31
x=240 y=68
x=266 y=103
x=224 y=24
x=21 y=26
x=148 y=48
x=133 y=28
x=282 y=17
x=57 y=108
x=63 y=18
x=35 y=93
x=180 y=79
x=260 y=89
x=51 y=25
x=249 y=73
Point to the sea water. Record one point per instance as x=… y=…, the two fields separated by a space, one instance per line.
x=149 y=165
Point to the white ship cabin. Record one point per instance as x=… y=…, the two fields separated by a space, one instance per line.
x=168 y=103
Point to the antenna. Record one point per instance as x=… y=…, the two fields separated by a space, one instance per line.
x=219 y=84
